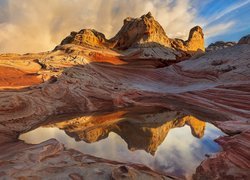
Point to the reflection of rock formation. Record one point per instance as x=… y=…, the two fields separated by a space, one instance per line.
x=197 y=126
x=90 y=128
x=141 y=131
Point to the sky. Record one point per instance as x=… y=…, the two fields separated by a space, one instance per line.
x=40 y=25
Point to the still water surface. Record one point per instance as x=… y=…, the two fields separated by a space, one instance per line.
x=176 y=146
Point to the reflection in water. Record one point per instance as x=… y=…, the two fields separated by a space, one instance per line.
x=137 y=138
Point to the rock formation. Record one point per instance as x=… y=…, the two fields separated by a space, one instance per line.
x=89 y=37
x=219 y=45
x=142 y=31
x=50 y=160
x=77 y=79
x=195 y=42
x=145 y=34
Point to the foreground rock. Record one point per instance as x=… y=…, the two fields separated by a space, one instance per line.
x=232 y=163
x=50 y=160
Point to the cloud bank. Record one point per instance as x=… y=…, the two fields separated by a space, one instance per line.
x=35 y=25
x=39 y=25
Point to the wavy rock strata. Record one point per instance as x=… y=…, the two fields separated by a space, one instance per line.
x=50 y=160
x=79 y=79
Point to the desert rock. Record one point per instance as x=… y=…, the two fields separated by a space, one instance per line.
x=219 y=45
x=245 y=40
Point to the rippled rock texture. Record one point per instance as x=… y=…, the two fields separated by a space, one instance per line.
x=76 y=79
x=50 y=160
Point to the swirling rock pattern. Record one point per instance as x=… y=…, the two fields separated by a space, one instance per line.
x=50 y=160
x=214 y=87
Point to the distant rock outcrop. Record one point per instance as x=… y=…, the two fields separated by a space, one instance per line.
x=140 y=31
x=245 y=40
x=219 y=45
x=89 y=37
x=143 y=32
x=194 y=43
x=195 y=40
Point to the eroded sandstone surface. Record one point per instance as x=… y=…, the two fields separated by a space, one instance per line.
x=219 y=45
x=88 y=73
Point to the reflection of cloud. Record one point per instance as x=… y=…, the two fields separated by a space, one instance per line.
x=180 y=152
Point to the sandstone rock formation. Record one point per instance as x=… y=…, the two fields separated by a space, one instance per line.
x=89 y=37
x=219 y=45
x=232 y=163
x=195 y=42
x=140 y=32
x=144 y=34
x=77 y=80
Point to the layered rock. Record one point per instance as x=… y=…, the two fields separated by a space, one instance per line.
x=144 y=34
x=214 y=87
x=86 y=37
x=232 y=163
x=141 y=31
x=219 y=45
x=50 y=160
x=195 y=42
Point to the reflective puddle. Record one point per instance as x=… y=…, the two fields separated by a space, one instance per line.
x=164 y=141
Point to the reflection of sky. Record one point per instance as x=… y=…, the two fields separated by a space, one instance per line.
x=180 y=152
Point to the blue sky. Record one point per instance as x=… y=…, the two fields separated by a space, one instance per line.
x=236 y=12
x=40 y=25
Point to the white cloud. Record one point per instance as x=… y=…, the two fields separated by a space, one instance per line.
x=227 y=11
x=35 y=25
x=39 y=25
x=218 y=29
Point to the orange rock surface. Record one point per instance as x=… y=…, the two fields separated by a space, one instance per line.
x=11 y=78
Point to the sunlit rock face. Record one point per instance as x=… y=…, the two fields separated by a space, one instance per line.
x=195 y=42
x=140 y=32
x=89 y=37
